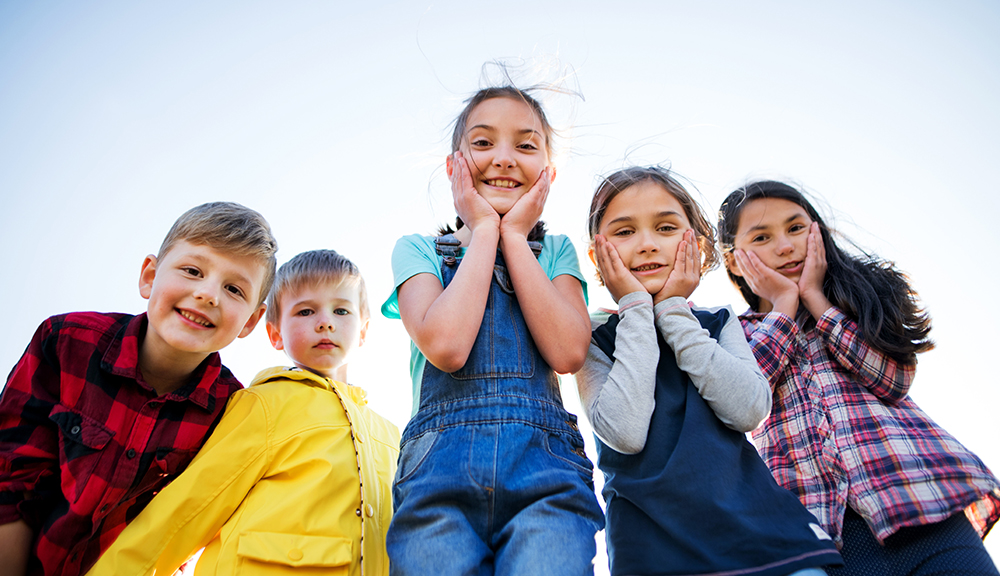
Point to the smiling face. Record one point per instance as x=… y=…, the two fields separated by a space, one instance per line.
x=645 y=223
x=777 y=231
x=319 y=326
x=200 y=300
x=506 y=148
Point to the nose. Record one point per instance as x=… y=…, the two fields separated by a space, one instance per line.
x=784 y=246
x=208 y=293
x=647 y=243
x=325 y=323
x=503 y=157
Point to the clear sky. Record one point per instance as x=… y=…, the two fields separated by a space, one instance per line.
x=332 y=119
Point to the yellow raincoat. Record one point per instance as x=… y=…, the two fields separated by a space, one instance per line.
x=297 y=477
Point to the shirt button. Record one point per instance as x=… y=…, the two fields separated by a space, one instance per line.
x=573 y=425
x=130 y=453
x=357 y=512
x=369 y=510
x=295 y=554
x=360 y=437
x=74 y=430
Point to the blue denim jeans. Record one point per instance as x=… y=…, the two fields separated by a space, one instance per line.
x=492 y=476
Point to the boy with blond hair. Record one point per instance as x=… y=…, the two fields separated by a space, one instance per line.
x=103 y=409
x=298 y=474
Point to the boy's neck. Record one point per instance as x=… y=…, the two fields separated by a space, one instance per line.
x=339 y=374
x=166 y=375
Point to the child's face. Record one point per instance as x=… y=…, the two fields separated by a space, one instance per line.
x=776 y=231
x=319 y=326
x=506 y=148
x=645 y=223
x=200 y=300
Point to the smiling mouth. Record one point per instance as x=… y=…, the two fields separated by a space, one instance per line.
x=196 y=319
x=790 y=267
x=647 y=267
x=503 y=183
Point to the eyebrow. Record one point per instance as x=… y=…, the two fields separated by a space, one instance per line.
x=664 y=214
x=488 y=127
x=789 y=220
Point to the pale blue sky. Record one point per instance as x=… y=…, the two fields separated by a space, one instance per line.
x=331 y=119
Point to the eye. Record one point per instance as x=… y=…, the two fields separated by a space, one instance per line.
x=759 y=238
x=797 y=227
x=666 y=228
x=341 y=311
x=305 y=312
x=191 y=271
x=527 y=146
x=479 y=142
x=235 y=290
x=623 y=232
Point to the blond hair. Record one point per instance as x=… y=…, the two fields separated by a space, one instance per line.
x=228 y=227
x=313 y=268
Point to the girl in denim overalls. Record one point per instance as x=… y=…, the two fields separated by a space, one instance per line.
x=492 y=475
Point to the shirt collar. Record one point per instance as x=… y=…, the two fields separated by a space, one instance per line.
x=122 y=359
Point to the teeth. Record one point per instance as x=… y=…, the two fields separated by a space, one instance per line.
x=645 y=267
x=503 y=183
x=196 y=319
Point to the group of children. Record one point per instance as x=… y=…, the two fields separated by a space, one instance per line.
x=105 y=411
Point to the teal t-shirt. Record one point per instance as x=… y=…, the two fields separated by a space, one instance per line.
x=416 y=254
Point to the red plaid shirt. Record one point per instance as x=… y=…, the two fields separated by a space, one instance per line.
x=843 y=432
x=85 y=443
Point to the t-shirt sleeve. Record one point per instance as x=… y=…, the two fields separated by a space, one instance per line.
x=412 y=255
x=563 y=260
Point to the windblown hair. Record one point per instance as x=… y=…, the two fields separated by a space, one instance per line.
x=231 y=228
x=614 y=184
x=461 y=125
x=870 y=290
x=314 y=268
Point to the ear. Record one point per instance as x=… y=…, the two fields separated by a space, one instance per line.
x=553 y=174
x=364 y=332
x=731 y=264
x=252 y=321
x=274 y=335
x=146 y=275
x=590 y=252
x=449 y=164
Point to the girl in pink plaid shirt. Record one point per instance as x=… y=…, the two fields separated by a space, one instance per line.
x=837 y=337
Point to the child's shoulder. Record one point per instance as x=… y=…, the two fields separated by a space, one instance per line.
x=99 y=321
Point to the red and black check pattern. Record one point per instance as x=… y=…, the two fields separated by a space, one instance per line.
x=85 y=443
x=844 y=432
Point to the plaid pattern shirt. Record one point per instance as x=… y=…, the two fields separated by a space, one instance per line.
x=843 y=432
x=85 y=443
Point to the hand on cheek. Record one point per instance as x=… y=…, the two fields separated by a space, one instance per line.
x=472 y=208
x=686 y=273
x=813 y=274
x=617 y=278
x=523 y=215
x=780 y=292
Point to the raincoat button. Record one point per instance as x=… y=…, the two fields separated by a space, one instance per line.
x=295 y=554
x=369 y=510
x=360 y=437
x=357 y=512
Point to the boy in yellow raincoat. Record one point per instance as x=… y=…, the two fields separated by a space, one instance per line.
x=298 y=474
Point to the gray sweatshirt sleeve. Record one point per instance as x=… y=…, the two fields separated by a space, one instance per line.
x=617 y=397
x=725 y=373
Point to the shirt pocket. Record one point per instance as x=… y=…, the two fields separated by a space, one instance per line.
x=82 y=440
x=279 y=553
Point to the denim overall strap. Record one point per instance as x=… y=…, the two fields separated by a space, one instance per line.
x=505 y=377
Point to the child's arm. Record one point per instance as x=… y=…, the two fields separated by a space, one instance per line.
x=29 y=442
x=192 y=509
x=617 y=396
x=554 y=310
x=443 y=322
x=15 y=547
x=724 y=372
x=884 y=377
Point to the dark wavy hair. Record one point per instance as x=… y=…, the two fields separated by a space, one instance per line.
x=458 y=134
x=615 y=183
x=870 y=290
